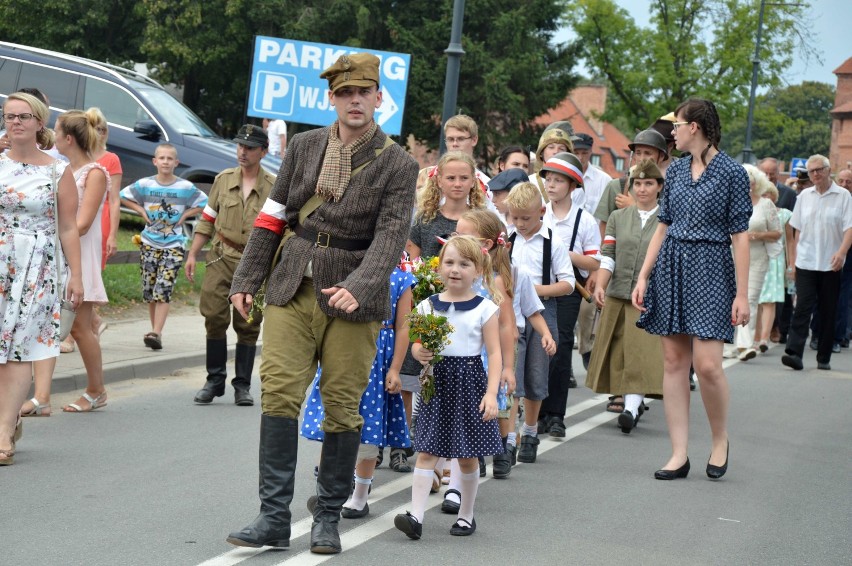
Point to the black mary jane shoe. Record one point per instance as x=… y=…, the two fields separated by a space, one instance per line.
x=626 y=421
x=716 y=472
x=681 y=472
x=406 y=523
x=461 y=528
x=348 y=513
x=448 y=505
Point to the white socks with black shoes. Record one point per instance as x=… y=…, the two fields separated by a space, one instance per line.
x=632 y=401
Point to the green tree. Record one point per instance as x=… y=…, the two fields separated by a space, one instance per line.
x=691 y=48
x=788 y=122
x=104 y=30
x=510 y=72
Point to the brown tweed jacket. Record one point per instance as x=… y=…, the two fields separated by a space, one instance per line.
x=376 y=205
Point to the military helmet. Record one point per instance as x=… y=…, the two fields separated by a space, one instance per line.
x=553 y=135
x=651 y=138
x=566 y=164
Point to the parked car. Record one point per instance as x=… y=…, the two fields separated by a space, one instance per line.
x=140 y=112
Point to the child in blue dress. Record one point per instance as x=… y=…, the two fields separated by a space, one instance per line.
x=381 y=404
x=459 y=420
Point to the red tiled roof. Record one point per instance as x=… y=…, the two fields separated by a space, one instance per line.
x=845 y=68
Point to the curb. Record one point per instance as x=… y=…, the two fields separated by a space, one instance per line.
x=152 y=367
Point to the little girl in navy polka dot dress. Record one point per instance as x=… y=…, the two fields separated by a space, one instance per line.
x=459 y=420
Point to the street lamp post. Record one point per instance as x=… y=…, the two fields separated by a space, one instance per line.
x=454 y=52
x=747 y=154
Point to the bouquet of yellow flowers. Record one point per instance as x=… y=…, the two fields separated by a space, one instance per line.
x=432 y=331
x=428 y=280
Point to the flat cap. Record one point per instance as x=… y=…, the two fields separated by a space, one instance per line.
x=505 y=180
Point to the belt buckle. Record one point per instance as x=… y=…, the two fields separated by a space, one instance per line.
x=323 y=240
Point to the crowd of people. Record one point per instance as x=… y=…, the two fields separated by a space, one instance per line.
x=652 y=274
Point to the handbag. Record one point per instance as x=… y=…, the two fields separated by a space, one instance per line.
x=66 y=308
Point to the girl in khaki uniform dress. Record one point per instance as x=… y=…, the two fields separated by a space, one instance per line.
x=626 y=360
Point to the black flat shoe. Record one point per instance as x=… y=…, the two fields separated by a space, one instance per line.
x=716 y=472
x=348 y=513
x=681 y=472
x=409 y=525
x=626 y=421
x=462 y=528
x=448 y=505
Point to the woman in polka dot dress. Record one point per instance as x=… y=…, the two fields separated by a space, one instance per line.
x=459 y=420
x=381 y=404
x=690 y=290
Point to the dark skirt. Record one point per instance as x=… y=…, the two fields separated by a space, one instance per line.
x=691 y=291
x=450 y=424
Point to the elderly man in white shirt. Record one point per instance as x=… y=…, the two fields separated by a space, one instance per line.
x=822 y=218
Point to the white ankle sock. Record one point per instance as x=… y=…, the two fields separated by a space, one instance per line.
x=510 y=439
x=455 y=481
x=632 y=402
x=529 y=430
x=359 y=495
x=469 y=487
x=420 y=486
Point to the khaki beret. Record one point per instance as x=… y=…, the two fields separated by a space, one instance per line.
x=358 y=69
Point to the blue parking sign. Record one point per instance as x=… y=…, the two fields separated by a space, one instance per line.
x=285 y=82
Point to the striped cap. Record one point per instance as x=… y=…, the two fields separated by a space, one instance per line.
x=566 y=164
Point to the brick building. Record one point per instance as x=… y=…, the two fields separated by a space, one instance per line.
x=582 y=107
x=840 y=153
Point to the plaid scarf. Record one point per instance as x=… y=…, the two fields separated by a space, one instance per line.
x=337 y=163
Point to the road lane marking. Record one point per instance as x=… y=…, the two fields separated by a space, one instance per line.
x=383 y=523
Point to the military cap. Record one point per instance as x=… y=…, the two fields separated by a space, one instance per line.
x=554 y=135
x=647 y=169
x=505 y=180
x=357 y=69
x=252 y=136
x=582 y=141
x=566 y=164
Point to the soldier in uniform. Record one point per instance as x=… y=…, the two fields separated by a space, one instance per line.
x=234 y=203
x=347 y=192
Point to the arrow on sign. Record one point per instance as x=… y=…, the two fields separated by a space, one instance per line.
x=388 y=108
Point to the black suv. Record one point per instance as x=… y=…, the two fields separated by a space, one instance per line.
x=141 y=114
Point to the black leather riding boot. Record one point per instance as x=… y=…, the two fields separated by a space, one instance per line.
x=334 y=483
x=279 y=437
x=217 y=370
x=243 y=366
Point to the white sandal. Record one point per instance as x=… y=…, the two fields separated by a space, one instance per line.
x=94 y=403
x=38 y=409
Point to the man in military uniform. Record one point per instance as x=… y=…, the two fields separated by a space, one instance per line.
x=347 y=193
x=233 y=205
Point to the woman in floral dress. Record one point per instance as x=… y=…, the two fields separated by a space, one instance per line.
x=29 y=262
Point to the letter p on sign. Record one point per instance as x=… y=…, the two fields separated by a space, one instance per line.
x=276 y=93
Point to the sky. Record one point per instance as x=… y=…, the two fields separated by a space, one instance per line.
x=830 y=18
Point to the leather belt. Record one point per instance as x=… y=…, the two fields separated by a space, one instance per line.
x=326 y=240
x=239 y=247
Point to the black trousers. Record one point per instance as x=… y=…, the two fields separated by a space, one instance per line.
x=814 y=287
x=567 y=310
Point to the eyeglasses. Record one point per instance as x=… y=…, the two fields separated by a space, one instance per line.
x=25 y=117
x=451 y=141
x=678 y=124
x=817 y=170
